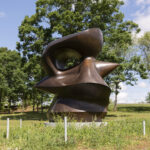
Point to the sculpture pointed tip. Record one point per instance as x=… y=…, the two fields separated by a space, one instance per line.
x=114 y=65
x=104 y=68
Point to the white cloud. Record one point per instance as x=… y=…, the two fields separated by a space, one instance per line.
x=125 y=2
x=142 y=16
x=144 y=23
x=2 y=14
x=73 y=7
x=143 y=2
x=142 y=84
x=122 y=96
x=123 y=86
x=139 y=1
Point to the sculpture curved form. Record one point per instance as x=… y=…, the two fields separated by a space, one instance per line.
x=76 y=77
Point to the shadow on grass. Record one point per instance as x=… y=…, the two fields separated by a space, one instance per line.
x=111 y=115
x=134 y=109
x=26 y=116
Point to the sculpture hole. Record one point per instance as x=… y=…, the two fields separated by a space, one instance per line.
x=66 y=58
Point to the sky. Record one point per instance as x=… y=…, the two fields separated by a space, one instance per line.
x=139 y=12
x=12 y=13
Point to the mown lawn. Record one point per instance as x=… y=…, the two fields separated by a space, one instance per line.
x=124 y=131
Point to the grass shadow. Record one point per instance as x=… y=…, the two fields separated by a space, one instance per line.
x=111 y=115
x=26 y=116
x=134 y=109
x=114 y=116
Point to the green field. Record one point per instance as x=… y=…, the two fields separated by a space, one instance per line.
x=124 y=131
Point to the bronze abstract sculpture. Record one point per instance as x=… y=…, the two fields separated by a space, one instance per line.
x=76 y=77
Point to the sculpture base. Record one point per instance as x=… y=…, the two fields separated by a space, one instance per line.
x=76 y=110
x=77 y=116
x=77 y=124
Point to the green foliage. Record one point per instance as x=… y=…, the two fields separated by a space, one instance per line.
x=56 y=18
x=144 y=46
x=148 y=97
x=12 y=77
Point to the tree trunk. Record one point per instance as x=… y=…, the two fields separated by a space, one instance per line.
x=147 y=58
x=115 y=103
x=22 y=103
x=33 y=106
x=116 y=98
x=42 y=105
x=0 y=102
x=1 y=105
x=32 y=97
x=9 y=106
x=37 y=107
x=25 y=103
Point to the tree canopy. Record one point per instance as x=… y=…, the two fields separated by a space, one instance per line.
x=12 y=77
x=57 y=18
x=144 y=46
x=144 y=49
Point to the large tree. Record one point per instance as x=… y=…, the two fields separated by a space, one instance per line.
x=3 y=81
x=56 y=18
x=127 y=72
x=144 y=49
x=12 y=77
x=144 y=46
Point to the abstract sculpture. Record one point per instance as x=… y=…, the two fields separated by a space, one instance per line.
x=76 y=77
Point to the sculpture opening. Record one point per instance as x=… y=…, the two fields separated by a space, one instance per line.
x=76 y=77
x=65 y=58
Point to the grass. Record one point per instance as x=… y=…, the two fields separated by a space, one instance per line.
x=128 y=111
x=123 y=132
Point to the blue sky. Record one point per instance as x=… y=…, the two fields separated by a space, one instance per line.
x=12 y=12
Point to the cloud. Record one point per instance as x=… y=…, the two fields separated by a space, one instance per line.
x=142 y=84
x=2 y=14
x=122 y=96
x=144 y=23
x=143 y=2
x=142 y=16
x=123 y=86
x=126 y=2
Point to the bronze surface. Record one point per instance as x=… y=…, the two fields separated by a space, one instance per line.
x=80 y=89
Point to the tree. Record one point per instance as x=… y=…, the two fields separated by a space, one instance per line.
x=148 y=98
x=144 y=46
x=56 y=18
x=34 y=73
x=12 y=78
x=127 y=72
